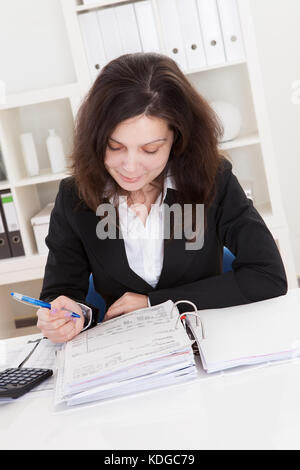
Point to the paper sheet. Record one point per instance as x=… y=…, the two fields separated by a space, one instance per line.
x=132 y=347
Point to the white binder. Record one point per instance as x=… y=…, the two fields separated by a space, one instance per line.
x=128 y=29
x=110 y=33
x=146 y=26
x=211 y=30
x=172 y=32
x=93 y=42
x=231 y=28
x=194 y=48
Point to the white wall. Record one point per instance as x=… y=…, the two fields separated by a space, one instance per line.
x=34 y=48
x=277 y=26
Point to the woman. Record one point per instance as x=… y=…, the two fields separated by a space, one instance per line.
x=144 y=135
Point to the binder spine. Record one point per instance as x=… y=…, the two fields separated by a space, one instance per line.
x=93 y=43
x=12 y=223
x=5 y=250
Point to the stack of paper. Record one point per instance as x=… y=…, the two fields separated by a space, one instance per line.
x=138 y=351
x=249 y=334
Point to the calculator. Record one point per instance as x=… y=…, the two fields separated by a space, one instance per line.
x=14 y=382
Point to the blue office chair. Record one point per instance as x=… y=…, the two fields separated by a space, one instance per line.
x=228 y=258
x=96 y=299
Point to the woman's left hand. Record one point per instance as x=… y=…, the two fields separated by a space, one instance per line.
x=125 y=304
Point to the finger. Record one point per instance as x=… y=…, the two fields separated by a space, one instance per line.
x=67 y=331
x=64 y=303
x=54 y=324
x=113 y=313
x=59 y=313
x=62 y=334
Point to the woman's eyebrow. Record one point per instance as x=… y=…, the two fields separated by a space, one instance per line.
x=157 y=140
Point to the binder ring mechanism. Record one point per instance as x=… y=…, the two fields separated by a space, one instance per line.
x=182 y=315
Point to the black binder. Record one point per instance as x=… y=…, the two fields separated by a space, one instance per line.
x=5 y=251
x=11 y=224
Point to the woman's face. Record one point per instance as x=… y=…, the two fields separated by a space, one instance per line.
x=137 y=152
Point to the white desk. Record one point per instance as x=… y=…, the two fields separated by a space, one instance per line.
x=258 y=409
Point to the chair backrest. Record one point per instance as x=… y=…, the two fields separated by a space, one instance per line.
x=96 y=299
x=228 y=258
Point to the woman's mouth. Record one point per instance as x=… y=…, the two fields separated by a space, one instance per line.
x=130 y=180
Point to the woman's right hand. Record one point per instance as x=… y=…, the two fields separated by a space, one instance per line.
x=57 y=324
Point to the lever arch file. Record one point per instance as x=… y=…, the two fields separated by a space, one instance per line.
x=110 y=33
x=191 y=33
x=146 y=26
x=171 y=27
x=231 y=29
x=135 y=352
x=253 y=333
x=211 y=30
x=128 y=28
x=5 y=251
x=12 y=223
x=154 y=347
x=93 y=42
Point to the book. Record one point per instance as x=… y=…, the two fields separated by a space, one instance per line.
x=154 y=347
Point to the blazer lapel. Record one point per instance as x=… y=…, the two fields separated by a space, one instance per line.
x=176 y=257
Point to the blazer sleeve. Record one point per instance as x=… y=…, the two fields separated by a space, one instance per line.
x=67 y=269
x=257 y=272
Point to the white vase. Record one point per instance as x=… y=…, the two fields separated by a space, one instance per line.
x=56 y=152
x=29 y=154
x=230 y=117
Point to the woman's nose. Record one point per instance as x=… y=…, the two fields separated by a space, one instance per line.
x=130 y=163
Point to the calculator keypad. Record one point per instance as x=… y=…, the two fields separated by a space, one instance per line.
x=15 y=382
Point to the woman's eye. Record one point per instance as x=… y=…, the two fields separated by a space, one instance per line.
x=113 y=148
x=120 y=148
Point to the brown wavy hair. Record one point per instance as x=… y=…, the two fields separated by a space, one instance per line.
x=151 y=84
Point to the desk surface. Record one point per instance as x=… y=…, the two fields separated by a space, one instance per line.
x=256 y=409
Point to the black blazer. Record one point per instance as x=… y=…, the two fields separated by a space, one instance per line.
x=75 y=251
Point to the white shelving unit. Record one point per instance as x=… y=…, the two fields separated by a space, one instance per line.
x=36 y=110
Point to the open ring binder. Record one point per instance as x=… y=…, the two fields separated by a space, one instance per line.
x=196 y=314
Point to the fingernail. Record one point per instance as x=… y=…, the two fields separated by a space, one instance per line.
x=67 y=314
x=53 y=310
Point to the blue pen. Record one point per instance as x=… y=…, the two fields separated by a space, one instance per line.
x=37 y=303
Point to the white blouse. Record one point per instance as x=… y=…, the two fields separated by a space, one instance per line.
x=144 y=244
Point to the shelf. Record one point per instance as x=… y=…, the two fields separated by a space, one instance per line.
x=243 y=141
x=39 y=96
x=44 y=177
x=100 y=4
x=4 y=185
x=214 y=67
x=22 y=268
x=48 y=112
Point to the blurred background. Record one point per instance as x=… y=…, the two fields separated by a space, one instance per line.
x=241 y=55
